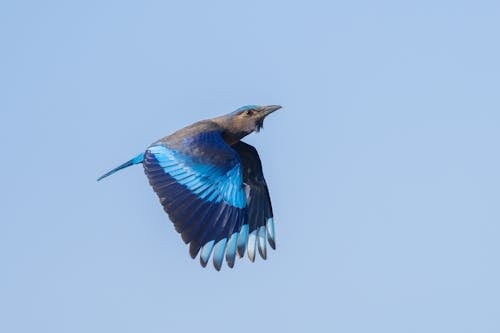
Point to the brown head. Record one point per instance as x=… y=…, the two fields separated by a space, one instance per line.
x=244 y=121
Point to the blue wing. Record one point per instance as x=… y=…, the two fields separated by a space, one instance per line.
x=200 y=185
x=260 y=212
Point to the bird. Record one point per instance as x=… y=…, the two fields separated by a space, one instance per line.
x=211 y=185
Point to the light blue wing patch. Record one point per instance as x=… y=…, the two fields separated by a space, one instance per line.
x=211 y=183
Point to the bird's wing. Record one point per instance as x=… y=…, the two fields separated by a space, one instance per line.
x=199 y=181
x=260 y=211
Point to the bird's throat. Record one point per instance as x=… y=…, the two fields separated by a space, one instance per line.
x=233 y=137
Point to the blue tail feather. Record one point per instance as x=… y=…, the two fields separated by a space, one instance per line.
x=136 y=160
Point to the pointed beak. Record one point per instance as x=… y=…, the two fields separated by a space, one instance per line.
x=266 y=110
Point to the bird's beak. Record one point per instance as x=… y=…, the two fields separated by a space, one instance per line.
x=266 y=110
x=263 y=112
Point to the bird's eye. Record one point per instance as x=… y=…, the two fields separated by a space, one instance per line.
x=249 y=112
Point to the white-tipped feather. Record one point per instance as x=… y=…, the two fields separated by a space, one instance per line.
x=242 y=240
x=231 y=249
x=206 y=250
x=261 y=236
x=252 y=243
x=219 y=250
x=270 y=233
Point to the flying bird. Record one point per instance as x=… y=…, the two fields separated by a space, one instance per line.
x=211 y=185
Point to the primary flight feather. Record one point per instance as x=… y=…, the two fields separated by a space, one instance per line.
x=212 y=187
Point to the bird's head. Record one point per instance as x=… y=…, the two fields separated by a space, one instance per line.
x=245 y=120
x=250 y=118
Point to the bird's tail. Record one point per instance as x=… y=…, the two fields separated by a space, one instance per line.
x=136 y=160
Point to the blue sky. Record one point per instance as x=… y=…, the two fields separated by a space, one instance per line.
x=383 y=165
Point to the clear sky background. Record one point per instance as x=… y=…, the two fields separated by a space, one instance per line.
x=383 y=164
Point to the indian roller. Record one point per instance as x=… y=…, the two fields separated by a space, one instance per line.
x=211 y=185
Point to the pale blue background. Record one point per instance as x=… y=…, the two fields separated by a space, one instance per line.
x=383 y=164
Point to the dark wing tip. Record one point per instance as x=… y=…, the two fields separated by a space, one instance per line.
x=217 y=266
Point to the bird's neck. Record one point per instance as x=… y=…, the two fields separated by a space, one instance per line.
x=231 y=138
x=230 y=133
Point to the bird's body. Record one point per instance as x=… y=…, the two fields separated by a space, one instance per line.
x=211 y=185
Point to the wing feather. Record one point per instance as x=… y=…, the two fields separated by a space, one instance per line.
x=215 y=195
x=260 y=224
x=200 y=186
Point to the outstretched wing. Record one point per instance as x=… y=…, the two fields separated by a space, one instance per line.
x=260 y=213
x=200 y=186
